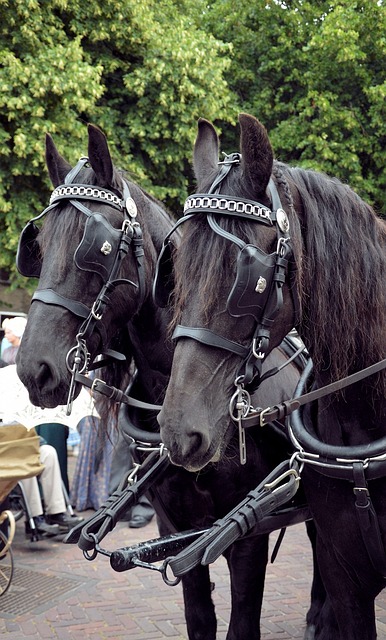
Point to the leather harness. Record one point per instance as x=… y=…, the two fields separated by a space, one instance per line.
x=257 y=511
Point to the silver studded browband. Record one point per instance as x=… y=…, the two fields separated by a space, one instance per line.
x=82 y=192
x=223 y=204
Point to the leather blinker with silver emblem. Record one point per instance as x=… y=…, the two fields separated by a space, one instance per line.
x=106 y=248
x=98 y=247
x=252 y=286
x=261 y=285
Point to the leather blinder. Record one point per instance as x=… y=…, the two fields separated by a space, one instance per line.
x=28 y=260
x=251 y=289
x=99 y=246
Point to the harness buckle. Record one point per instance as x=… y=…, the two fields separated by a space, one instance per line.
x=262 y=414
x=95 y=315
x=362 y=496
x=127 y=227
x=94 y=385
x=132 y=477
x=282 y=246
x=259 y=355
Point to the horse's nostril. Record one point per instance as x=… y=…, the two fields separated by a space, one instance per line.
x=45 y=376
x=192 y=444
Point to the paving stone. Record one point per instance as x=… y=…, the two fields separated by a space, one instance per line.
x=89 y=601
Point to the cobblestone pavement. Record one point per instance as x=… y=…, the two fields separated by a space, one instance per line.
x=57 y=594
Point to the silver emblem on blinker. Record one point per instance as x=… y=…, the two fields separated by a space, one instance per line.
x=106 y=248
x=261 y=285
x=131 y=207
x=282 y=220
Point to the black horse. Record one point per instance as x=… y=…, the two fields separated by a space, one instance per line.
x=95 y=257
x=276 y=247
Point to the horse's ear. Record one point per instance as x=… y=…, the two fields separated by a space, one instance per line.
x=57 y=166
x=257 y=153
x=206 y=148
x=99 y=156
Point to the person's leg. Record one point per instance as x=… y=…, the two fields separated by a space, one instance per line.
x=56 y=436
x=142 y=513
x=51 y=483
x=121 y=462
x=33 y=502
x=32 y=496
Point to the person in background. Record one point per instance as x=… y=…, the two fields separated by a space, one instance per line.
x=89 y=487
x=56 y=435
x=53 y=519
x=13 y=332
x=4 y=343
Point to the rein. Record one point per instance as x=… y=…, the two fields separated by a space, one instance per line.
x=287 y=407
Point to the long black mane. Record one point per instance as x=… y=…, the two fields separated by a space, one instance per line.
x=343 y=275
x=339 y=245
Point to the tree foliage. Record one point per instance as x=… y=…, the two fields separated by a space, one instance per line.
x=141 y=70
x=314 y=73
x=144 y=70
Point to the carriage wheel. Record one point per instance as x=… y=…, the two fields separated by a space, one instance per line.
x=6 y=555
x=16 y=501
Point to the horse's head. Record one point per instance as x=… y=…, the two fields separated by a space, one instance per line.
x=94 y=263
x=231 y=282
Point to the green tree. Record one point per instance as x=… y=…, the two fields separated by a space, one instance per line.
x=314 y=73
x=144 y=70
x=140 y=69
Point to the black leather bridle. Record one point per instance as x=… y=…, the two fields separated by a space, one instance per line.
x=101 y=250
x=257 y=290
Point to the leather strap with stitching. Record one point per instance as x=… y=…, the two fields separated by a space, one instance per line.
x=284 y=409
x=248 y=514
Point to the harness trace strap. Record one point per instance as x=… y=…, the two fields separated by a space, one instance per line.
x=90 y=532
x=284 y=409
x=277 y=489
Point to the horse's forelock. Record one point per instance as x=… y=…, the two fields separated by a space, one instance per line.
x=201 y=266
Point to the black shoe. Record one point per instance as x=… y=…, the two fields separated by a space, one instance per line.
x=42 y=527
x=137 y=521
x=64 y=521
